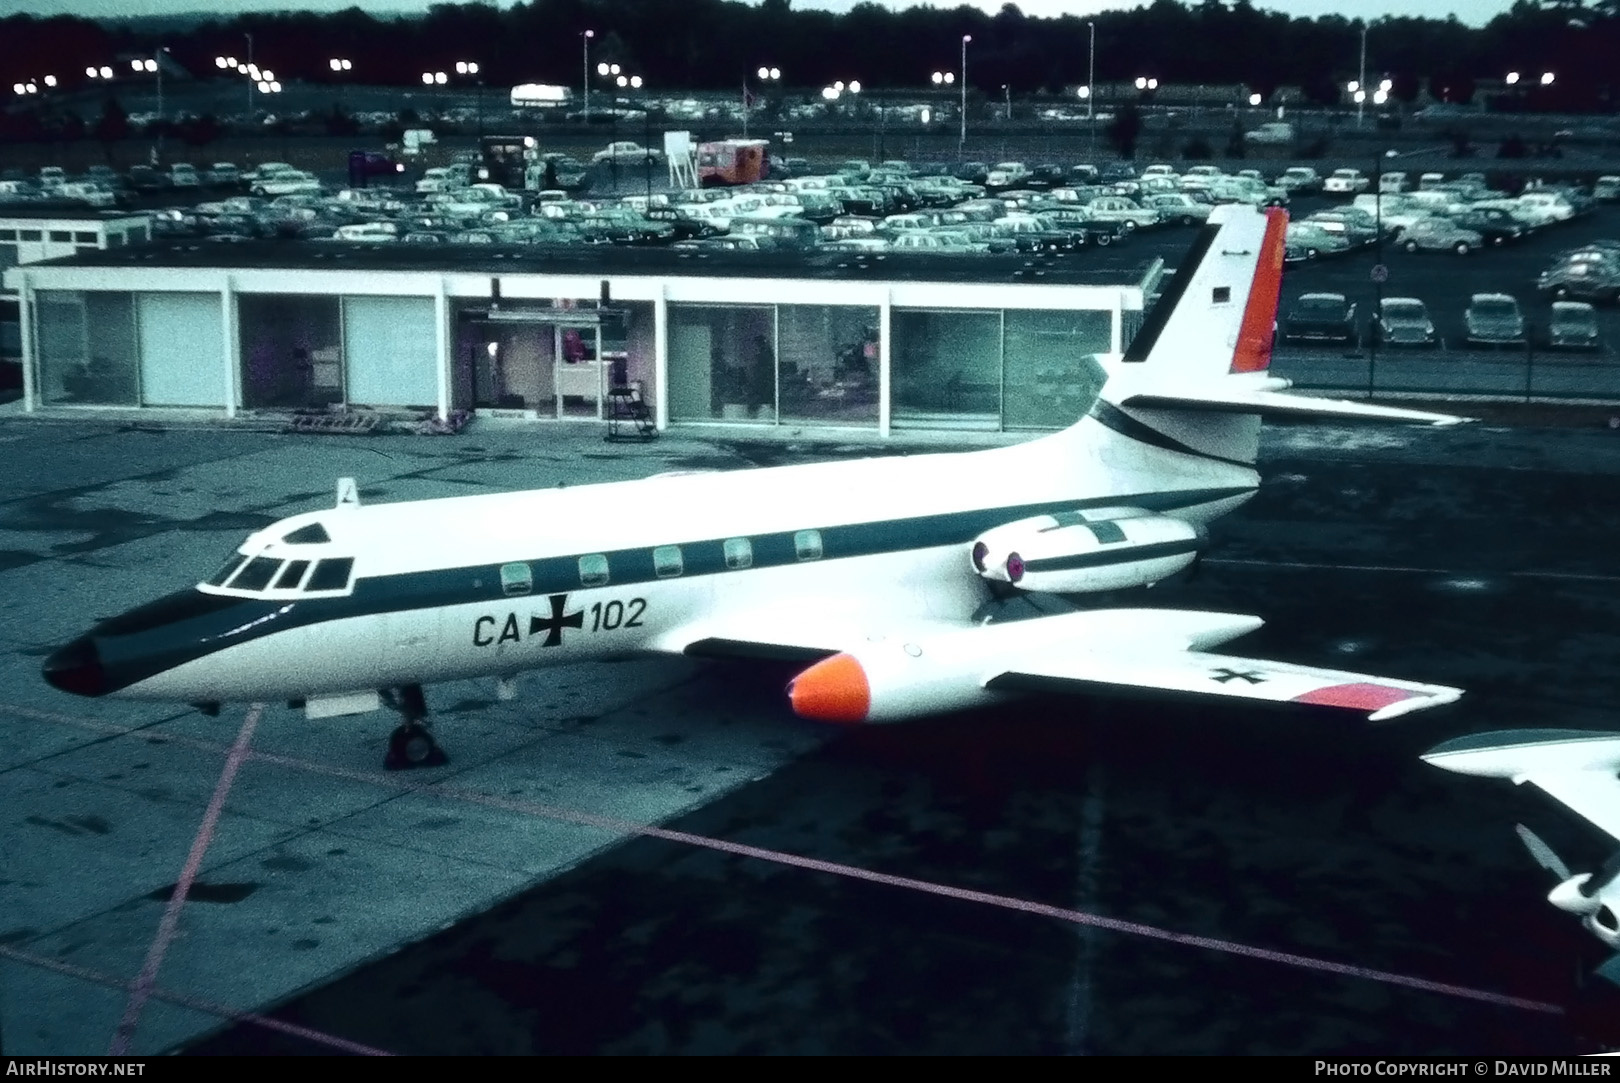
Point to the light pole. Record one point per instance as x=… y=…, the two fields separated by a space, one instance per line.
x=249 y=38
x=585 y=37
x=1091 y=74
x=469 y=69
x=766 y=76
x=1360 y=89
x=339 y=66
x=961 y=140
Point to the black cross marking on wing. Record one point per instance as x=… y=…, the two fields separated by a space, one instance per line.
x=1224 y=674
x=554 y=626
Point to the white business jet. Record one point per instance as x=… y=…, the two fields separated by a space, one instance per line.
x=1579 y=769
x=875 y=567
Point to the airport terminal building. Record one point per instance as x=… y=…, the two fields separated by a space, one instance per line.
x=842 y=340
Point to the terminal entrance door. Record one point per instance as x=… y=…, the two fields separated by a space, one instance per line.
x=579 y=370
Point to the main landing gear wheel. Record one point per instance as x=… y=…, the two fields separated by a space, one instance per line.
x=411 y=744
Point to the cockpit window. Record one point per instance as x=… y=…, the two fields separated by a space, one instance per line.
x=219 y=577
x=292 y=575
x=330 y=574
x=256 y=575
x=309 y=534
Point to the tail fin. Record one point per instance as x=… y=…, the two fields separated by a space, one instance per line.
x=1214 y=321
x=1195 y=379
x=1218 y=313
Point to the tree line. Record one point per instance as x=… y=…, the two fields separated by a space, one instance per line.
x=717 y=44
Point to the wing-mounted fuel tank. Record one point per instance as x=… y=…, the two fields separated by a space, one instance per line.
x=1083 y=551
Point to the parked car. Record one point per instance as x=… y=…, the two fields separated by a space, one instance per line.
x=1497 y=226
x=1593 y=278
x=1299 y=179
x=1321 y=317
x=184 y=175
x=1308 y=240
x=1494 y=319
x=1119 y=209
x=1404 y=321
x=1275 y=134
x=1572 y=325
x=1346 y=182
x=1607 y=189
x=145 y=179
x=1180 y=207
x=291 y=182
x=1351 y=223
x=1437 y=234
x=625 y=152
x=223 y=175
x=1393 y=183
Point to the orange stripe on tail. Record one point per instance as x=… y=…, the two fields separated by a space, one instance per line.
x=1253 y=352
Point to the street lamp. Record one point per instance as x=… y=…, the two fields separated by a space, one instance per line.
x=585 y=37
x=1546 y=78
x=1091 y=72
x=961 y=143
x=944 y=78
x=1357 y=87
x=150 y=64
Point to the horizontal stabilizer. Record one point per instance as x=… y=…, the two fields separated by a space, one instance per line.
x=1204 y=674
x=1575 y=767
x=1276 y=404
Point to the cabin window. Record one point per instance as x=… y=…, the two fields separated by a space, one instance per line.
x=257 y=574
x=739 y=553
x=516 y=579
x=667 y=561
x=807 y=544
x=219 y=577
x=593 y=570
x=309 y=534
x=1223 y=294
x=62 y=236
x=292 y=575
x=330 y=574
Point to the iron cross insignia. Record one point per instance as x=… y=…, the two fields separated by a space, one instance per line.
x=553 y=627
x=1223 y=675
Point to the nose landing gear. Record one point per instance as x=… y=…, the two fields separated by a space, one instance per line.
x=411 y=744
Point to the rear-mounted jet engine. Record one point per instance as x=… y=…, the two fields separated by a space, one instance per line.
x=1083 y=551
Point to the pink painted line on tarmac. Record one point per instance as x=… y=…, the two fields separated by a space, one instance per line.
x=170 y=922
x=96 y=977
x=779 y=857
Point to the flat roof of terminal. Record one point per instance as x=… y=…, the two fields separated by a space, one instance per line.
x=1090 y=267
x=64 y=212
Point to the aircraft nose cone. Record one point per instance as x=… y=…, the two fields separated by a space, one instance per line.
x=76 y=668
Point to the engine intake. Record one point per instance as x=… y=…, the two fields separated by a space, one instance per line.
x=1087 y=551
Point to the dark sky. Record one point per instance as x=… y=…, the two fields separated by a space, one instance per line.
x=1472 y=12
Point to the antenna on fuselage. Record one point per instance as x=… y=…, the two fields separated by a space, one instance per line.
x=348 y=494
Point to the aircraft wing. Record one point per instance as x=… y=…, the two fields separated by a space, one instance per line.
x=791 y=634
x=1206 y=674
x=1270 y=402
x=1575 y=767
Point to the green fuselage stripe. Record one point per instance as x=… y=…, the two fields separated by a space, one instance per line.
x=193 y=625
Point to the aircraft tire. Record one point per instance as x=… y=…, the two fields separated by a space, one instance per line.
x=413 y=746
